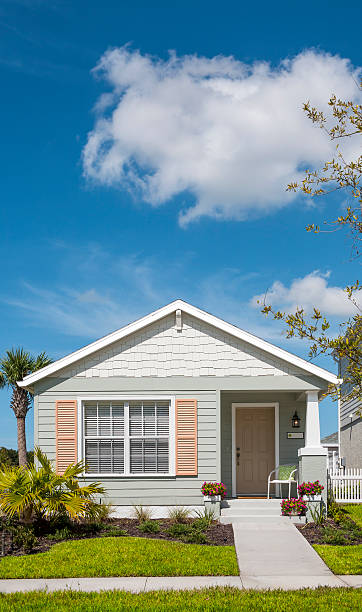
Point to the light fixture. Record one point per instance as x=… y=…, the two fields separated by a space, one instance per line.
x=295 y=420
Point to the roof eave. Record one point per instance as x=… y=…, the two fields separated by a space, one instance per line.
x=159 y=314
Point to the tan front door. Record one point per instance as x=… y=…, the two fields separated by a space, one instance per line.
x=255 y=445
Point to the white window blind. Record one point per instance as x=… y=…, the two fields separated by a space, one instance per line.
x=104 y=437
x=127 y=437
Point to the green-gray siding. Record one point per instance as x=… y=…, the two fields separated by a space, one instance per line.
x=214 y=450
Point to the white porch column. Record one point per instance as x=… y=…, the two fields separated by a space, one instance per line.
x=312 y=427
x=313 y=457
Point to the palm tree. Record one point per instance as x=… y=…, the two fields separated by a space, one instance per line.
x=13 y=368
x=36 y=492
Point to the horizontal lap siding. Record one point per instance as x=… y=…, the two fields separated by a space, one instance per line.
x=180 y=490
x=347 y=408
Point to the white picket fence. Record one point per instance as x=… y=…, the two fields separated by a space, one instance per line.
x=346 y=485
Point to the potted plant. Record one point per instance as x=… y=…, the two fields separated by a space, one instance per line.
x=213 y=491
x=311 y=491
x=293 y=506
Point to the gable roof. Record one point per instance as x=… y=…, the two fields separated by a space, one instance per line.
x=310 y=368
x=331 y=440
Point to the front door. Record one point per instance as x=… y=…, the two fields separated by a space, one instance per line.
x=255 y=448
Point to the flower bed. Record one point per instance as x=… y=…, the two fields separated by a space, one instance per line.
x=293 y=506
x=20 y=539
x=212 y=489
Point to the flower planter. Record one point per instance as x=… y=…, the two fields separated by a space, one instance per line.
x=312 y=498
x=311 y=491
x=212 y=498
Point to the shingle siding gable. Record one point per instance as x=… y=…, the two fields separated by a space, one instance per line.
x=198 y=349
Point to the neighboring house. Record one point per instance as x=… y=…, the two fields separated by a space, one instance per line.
x=350 y=426
x=332 y=446
x=176 y=398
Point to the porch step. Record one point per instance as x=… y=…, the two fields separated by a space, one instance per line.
x=262 y=519
x=255 y=511
x=252 y=502
x=250 y=510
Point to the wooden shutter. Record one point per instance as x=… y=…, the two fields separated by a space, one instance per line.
x=186 y=437
x=65 y=433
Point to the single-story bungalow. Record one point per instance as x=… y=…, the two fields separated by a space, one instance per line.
x=177 y=398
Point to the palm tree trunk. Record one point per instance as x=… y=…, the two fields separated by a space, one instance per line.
x=21 y=440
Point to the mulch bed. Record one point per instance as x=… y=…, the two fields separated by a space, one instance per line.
x=314 y=533
x=217 y=535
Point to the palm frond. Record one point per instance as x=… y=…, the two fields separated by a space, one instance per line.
x=18 y=363
x=41 y=361
x=40 y=491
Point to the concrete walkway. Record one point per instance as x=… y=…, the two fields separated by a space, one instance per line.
x=274 y=554
x=186 y=583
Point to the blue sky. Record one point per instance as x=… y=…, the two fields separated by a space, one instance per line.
x=155 y=177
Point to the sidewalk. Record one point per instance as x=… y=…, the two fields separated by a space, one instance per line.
x=276 y=555
x=182 y=583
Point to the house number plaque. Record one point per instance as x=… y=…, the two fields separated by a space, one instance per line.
x=291 y=435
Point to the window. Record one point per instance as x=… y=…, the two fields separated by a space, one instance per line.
x=129 y=437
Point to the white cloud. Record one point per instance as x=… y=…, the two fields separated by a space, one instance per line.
x=310 y=291
x=230 y=134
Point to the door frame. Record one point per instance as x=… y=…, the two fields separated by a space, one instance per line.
x=236 y=406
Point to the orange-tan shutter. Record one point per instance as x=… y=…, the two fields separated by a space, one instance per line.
x=65 y=433
x=186 y=437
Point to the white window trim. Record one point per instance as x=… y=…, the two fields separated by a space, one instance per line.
x=235 y=407
x=128 y=397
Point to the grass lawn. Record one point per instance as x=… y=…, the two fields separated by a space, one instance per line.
x=355 y=512
x=123 y=556
x=344 y=559
x=341 y=559
x=206 y=599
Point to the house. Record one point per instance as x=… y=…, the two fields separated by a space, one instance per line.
x=176 y=398
x=331 y=444
x=349 y=425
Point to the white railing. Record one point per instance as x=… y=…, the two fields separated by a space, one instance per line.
x=346 y=485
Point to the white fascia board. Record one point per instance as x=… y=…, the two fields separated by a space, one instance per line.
x=163 y=312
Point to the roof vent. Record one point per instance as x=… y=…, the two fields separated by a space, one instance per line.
x=179 y=320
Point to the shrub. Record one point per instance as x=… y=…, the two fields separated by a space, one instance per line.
x=24 y=537
x=142 y=514
x=179 y=529
x=92 y=527
x=205 y=517
x=334 y=536
x=113 y=532
x=336 y=512
x=310 y=488
x=292 y=506
x=149 y=527
x=178 y=514
x=61 y=534
x=40 y=493
x=194 y=536
x=214 y=488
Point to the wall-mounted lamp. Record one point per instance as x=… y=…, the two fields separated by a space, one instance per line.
x=295 y=420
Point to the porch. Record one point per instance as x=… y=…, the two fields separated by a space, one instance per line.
x=259 y=433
